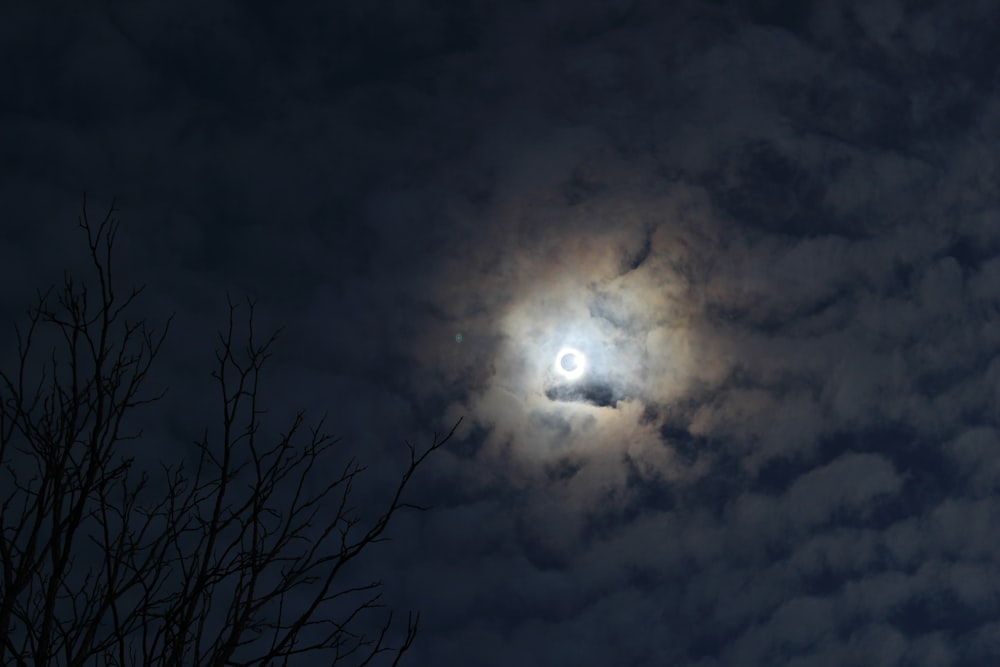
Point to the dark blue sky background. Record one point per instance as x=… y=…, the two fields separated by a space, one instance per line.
x=772 y=227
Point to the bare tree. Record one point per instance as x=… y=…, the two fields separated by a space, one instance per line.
x=237 y=558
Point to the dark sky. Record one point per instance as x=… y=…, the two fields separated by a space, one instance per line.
x=773 y=228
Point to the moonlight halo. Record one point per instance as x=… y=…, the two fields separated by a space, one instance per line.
x=570 y=363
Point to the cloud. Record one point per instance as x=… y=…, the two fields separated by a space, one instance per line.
x=771 y=230
x=800 y=282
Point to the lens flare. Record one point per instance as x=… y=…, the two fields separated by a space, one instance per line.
x=570 y=363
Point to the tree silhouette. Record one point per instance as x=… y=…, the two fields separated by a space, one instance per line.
x=239 y=558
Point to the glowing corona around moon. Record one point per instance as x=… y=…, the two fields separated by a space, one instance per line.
x=570 y=363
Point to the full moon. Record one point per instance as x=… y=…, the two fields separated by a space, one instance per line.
x=570 y=363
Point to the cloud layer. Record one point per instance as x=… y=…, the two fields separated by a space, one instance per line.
x=772 y=229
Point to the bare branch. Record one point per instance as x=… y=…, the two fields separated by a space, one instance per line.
x=242 y=559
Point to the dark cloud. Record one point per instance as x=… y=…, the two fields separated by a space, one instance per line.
x=769 y=226
x=589 y=392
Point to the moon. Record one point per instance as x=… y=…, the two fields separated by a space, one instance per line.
x=570 y=363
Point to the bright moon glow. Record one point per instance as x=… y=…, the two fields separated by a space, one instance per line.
x=570 y=363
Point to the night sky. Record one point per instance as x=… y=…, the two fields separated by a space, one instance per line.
x=772 y=229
